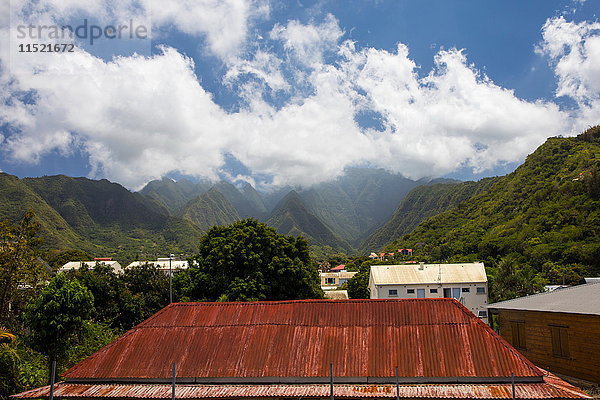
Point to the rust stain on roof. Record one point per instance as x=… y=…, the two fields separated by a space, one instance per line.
x=361 y=338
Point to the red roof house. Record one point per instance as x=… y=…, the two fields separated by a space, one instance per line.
x=286 y=349
x=338 y=268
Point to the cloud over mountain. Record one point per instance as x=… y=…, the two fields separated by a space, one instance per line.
x=141 y=117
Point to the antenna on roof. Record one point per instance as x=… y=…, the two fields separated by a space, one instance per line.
x=173 y=381
x=331 y=381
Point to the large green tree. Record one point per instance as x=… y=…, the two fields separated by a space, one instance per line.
x=21 y=271
x=56 y=317
x=249 y=261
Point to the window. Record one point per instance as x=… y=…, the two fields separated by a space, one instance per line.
x=482 y=314
x=330 y=281
x=480 y=290
x=560 y=341
x=466 y=290
x=518 y=334
x=432 y=290
x=410 y=291
x=392 y=292
x=420 y=293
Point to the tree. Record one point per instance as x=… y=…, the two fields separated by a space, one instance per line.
x=114 y=304
x=150 y=286
x=57 y=316
x=512 y=278
x=249 y=260
x=21 y=271
x=358 y=285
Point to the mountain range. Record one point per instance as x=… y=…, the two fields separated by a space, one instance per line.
x=547 y=208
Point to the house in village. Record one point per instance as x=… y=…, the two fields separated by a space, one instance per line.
x=309 y=349
x=558 y=330
x=335 y=279
x=75 y=265
x=165 y=264
x=466 y=282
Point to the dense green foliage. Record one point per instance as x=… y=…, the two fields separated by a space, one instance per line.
x=56 y=317
x=546 y=211
x=250 y=261
x=21 y=272
x=421 y=203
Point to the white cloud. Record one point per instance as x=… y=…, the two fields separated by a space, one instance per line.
x=574 y=49
x=224 y=23
x=308 y=43
x=139 y=118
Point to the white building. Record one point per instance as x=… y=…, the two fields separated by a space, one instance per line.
x=75 y=265
x=163 y=264
x=465 y=282
x=333 y=280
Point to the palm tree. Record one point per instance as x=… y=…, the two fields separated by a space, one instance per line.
x=6 y=336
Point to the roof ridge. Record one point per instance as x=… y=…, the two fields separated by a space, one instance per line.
x=293 y=324
x=544 y=293
x=278 y=302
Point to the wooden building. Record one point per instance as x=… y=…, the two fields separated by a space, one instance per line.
x=559 y=330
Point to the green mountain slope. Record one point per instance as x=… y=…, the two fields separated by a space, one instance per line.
x=174 y=195
x=209 y=209
x=291 y=217
x=548 y=209
x=110 y=220
x=358 y=202
x=245 y=202
x=16 y=198
x=421 y=203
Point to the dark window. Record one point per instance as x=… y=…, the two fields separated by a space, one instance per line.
x=518 y=334
x=482 y=314
x=432 y=290
x=330 y=281
x=393 y=292
x=466 y=290
x=410 y=291
x=560 y=341
x=480 y=290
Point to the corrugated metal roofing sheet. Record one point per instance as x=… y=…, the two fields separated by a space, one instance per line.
x=409 y=274
x=582 y=299
x=361 y=338
x=551 y=388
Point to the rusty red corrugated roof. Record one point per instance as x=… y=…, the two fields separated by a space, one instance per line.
x=551 y=388
x=424 y=338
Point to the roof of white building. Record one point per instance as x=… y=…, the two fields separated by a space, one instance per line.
x=412 y=274
x=162 y=264
x=581 y=299
x=71 y=265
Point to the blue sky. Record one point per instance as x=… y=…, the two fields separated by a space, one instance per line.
x=278 y=93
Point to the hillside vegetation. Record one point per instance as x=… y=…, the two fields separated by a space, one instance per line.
x=420 y=204
x=98 y=217
x=546 y=211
